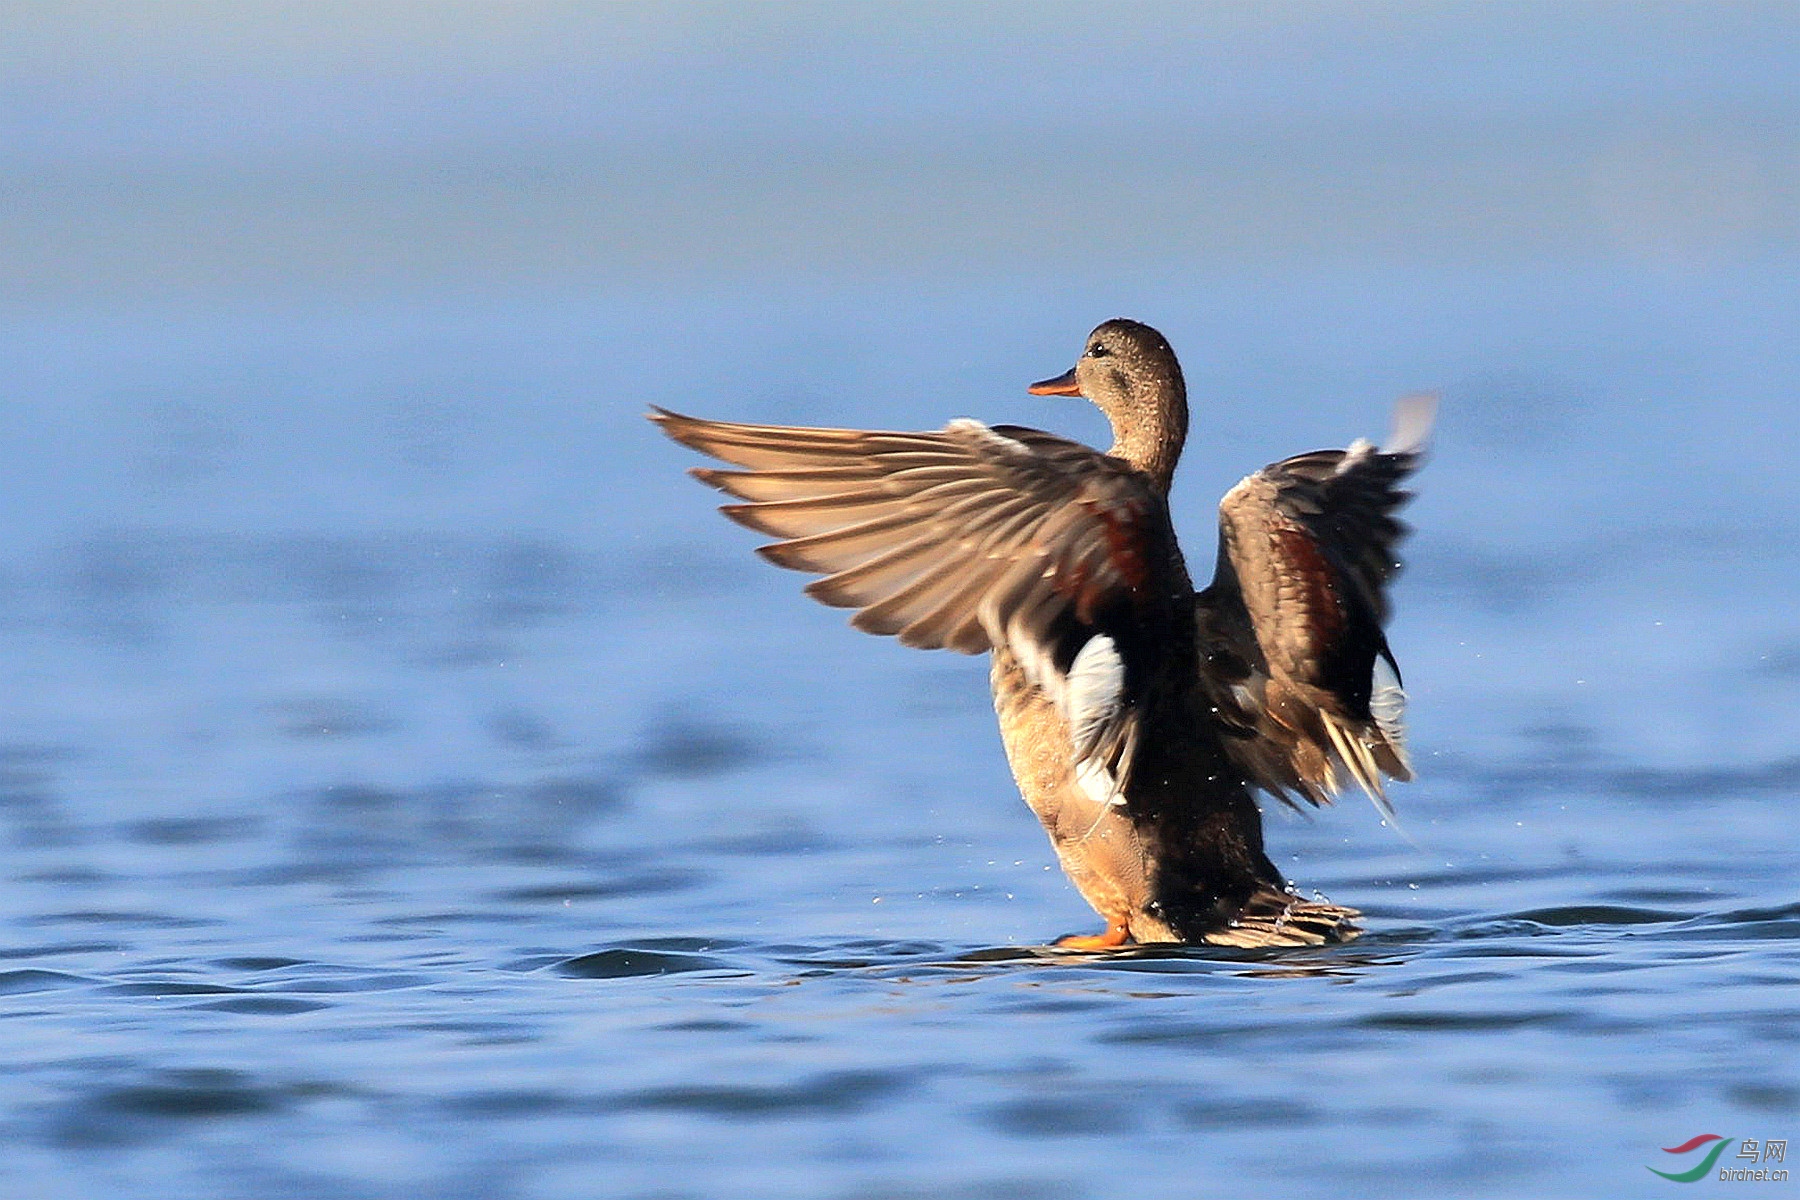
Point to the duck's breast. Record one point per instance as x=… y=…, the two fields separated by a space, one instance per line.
x=1099 y=847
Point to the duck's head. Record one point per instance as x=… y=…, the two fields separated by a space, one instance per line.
x=1128 y=370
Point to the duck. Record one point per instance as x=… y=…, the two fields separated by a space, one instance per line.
x=1141 y=717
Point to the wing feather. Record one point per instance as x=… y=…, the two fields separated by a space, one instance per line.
x=1294 y=655
x=969 y=538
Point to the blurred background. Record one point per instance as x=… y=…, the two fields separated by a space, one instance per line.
x=339 y=567
x=278 y=280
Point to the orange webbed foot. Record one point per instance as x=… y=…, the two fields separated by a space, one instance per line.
x=1114 y=936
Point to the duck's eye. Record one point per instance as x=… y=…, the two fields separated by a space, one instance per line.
x=1097 y=351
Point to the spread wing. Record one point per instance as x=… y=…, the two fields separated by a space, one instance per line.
x=1293 y=655
x=969 y=538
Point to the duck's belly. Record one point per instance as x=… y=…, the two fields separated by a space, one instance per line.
x=1100 y=849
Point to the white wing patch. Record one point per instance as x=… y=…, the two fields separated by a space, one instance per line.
x=1095 y=692
x=1093 y=703
x=1387 y=704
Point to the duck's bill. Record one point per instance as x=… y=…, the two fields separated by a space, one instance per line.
x=1062 y=385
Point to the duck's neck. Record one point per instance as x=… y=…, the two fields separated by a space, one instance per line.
x=1152 y=441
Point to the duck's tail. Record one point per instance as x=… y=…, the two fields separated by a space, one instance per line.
x=1276 y=918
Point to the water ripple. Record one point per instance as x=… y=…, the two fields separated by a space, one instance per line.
x=834 y=1093
x=33 y=979
x=628 y=963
